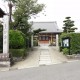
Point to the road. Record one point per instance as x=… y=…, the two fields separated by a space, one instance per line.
x=63 y=71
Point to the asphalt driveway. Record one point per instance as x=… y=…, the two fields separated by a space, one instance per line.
x=63 y=71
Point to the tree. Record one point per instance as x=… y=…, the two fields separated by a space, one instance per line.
x=16 y=40
x=38 y=31
x=68 y=25
x=23 y=12
x=10 y=4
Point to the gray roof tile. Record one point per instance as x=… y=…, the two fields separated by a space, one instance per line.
x=51 y=27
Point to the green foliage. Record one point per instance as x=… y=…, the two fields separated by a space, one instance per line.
x=68 y=25
x=16 y=39
x=1 y=27
x=1 y=42
x=74 y=42
x=38 y=30
x=18 y=52
x=23 y=12
x=11 y=0
x=1 y=37
x=65 y=51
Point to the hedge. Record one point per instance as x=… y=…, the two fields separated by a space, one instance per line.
x=65 y=51
x=16 y=39
x=18 y=53
x=74 y=42
x=1 y=41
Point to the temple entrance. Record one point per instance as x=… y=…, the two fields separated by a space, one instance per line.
x=44 y=40
x=47 y=39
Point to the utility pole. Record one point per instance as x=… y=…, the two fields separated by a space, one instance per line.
x=10 y=10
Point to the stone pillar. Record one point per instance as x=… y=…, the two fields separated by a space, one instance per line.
x=38 y=43
x=38 y=40
x=6 y=39
x=51 y=39
x=32 y=40
x=57 y=44
x=49 y=42
x=6 y=34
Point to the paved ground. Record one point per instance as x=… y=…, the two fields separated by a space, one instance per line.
x=66 y=71
x=43 y=55
x=45 y=58
x=32 y=60
x=56 y=56
x=44 y=63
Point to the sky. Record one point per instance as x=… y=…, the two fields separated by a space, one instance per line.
x=57 y=10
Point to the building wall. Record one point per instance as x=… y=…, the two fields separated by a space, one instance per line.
x=46 y=38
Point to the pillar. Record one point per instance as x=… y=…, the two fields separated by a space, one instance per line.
x=6 y=38
x=32 y=40
x=38 y=40
x=57 y=40
x=38 y=43
x=51 y=39
x=6 y=34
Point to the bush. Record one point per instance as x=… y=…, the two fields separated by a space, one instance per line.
x=16 y=39
x=74 y=42
x=65 y=51
x=18 y=53
x=1 y=41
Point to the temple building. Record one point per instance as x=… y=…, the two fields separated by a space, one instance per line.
x=50 y=34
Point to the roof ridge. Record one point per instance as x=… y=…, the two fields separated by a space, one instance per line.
x=44 y=22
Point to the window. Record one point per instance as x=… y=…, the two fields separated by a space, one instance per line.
x=43 y=38
x=46 y=38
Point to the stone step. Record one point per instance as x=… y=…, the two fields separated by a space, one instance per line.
x=44 y=62
x=44 y=55
x=44 y=59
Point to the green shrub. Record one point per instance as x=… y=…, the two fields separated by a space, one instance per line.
x=16 y=39
x=18 y=53
x=1 y=41
x=74 y=42
x=65 y=51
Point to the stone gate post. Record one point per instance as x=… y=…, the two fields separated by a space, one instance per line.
x=6 y=34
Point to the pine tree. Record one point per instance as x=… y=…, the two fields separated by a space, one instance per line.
x=68 y=25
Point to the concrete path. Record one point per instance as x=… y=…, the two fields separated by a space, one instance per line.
x=43 y=55
x=56 y=56
x=32 y=60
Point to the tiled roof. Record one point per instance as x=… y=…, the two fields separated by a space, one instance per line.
x=1 y=13
x=50 y=27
